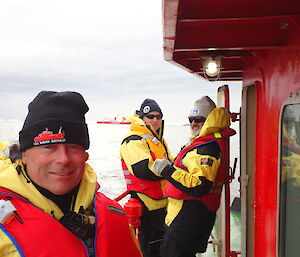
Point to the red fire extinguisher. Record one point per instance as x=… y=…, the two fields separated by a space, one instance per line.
x=133 y=209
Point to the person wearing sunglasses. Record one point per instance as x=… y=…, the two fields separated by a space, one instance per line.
x=195 y=181
x=139 y=149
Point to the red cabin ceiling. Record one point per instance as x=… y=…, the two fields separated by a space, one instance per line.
x=194 y=29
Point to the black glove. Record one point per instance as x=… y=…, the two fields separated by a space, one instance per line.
x=78 y=224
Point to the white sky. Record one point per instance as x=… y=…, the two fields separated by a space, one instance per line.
x=109 y=51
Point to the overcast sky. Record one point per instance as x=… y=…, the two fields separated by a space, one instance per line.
x=109 y=51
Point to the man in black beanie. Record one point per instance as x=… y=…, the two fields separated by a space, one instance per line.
x=49 y=195
x=139 y=149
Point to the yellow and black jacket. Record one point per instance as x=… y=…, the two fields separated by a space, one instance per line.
x=141 y=146
x=199 y=170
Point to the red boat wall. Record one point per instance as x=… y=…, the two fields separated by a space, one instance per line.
x=276 y=75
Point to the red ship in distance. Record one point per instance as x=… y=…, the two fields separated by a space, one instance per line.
x=116 y=120
x=48 y=135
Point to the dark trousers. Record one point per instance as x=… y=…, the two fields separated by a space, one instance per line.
x=170 y=247
x=152 y=231
x=189 y=232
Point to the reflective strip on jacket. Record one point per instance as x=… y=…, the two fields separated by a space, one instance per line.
x=42 y=235
x=154 y=189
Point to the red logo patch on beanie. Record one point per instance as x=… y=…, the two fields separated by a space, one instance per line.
x=48 y=137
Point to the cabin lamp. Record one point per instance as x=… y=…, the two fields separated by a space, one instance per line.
x=212 y=68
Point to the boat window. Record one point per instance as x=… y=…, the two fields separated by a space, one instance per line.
x=289 y=216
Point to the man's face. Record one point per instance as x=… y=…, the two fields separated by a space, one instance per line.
x=154 y=121
x=196 y=124
x=56 y=167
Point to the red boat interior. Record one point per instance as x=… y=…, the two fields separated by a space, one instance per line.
x=230 y=30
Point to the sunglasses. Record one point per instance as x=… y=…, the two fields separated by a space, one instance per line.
x=197 y=119
x=152 y=116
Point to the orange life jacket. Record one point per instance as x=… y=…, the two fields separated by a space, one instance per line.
x=212 y=199
x=42 y=235
x=147 y=187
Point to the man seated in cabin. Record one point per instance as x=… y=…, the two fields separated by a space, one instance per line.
x=195 y=181
x=49 y=204
x=139 y=149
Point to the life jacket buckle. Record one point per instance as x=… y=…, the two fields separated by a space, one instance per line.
x=155 y=141
x=7 y=211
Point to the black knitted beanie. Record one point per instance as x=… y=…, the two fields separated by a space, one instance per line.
x=147 y=106
x=55 y=117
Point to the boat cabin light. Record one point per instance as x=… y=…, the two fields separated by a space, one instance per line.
x=212 y=67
